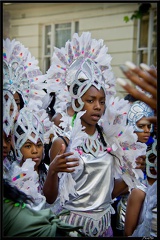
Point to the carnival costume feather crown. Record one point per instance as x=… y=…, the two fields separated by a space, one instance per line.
x=27 y=126
x=82 y=62
x=20 y=71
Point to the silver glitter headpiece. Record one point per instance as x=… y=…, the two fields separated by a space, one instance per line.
x=83 y=62
x=27 y=126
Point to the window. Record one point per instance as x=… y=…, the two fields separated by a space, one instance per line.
x=56 y=35
x=147 y=39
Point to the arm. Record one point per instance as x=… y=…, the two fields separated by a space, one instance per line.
x=119 y=187
x=56 y=119
x=134 y=204
x=59 y=160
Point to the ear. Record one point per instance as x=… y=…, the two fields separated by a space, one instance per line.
x=77 y=103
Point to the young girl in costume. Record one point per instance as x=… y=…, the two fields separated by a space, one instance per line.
x=16 y=208
x=28 y=141
x=144 y=205
x=143 y=223
x=137 y=118
x=20 y=76
x=99 y=137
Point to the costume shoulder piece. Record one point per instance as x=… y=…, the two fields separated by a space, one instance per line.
x=123 y=142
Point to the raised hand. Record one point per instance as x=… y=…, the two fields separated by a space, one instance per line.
x=144 y=77
x=63 y=163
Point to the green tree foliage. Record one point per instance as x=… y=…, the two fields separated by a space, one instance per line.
x=142 y=10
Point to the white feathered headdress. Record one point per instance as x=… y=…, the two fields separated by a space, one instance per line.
x=81 y=58
x=21 y=71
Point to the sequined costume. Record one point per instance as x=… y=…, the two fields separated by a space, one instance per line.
x=91 y=205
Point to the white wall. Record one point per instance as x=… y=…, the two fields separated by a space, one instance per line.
x=103 y=20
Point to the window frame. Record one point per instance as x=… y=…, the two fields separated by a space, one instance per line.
x=149 y=48
x=74 y=28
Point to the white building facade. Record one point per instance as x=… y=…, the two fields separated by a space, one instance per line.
x=41 y=26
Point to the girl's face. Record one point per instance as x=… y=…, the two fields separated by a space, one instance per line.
x=34 y=151
x=146 y=126
x=6 y=144
x=94 y=104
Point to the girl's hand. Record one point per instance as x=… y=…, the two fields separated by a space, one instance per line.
x=63 y=163
x=141 y=163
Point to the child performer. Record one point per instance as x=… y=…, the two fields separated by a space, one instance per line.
x=99 y=137
x=137 y=118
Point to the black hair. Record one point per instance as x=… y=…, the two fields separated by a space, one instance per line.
x=75 y=89
x=50 y=109
x=42 y=166
x=99 y=129
x=130 y=98
x=21 y=100
x=47 y=147
x=13 y=193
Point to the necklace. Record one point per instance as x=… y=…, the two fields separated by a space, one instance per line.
x=93 y=144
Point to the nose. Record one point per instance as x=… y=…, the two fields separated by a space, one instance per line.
x=34 y=149
x=146 y=129
x=4 y=143
x=97 y=105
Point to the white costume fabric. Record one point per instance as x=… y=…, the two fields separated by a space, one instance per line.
x=147 y=225
x=26 y=179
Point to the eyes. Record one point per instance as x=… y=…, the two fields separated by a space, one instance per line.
x=102 y=102
x=8 y=139
x=30 y=145
x=142 y=126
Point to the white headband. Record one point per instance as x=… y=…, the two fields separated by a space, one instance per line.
x=137 y=111
x=28 y=122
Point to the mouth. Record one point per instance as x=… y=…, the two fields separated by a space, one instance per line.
x=4 y=154
x=146 y=137
x=36 y=159
x=95 y=117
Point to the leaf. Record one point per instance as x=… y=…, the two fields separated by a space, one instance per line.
x=126 y=19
